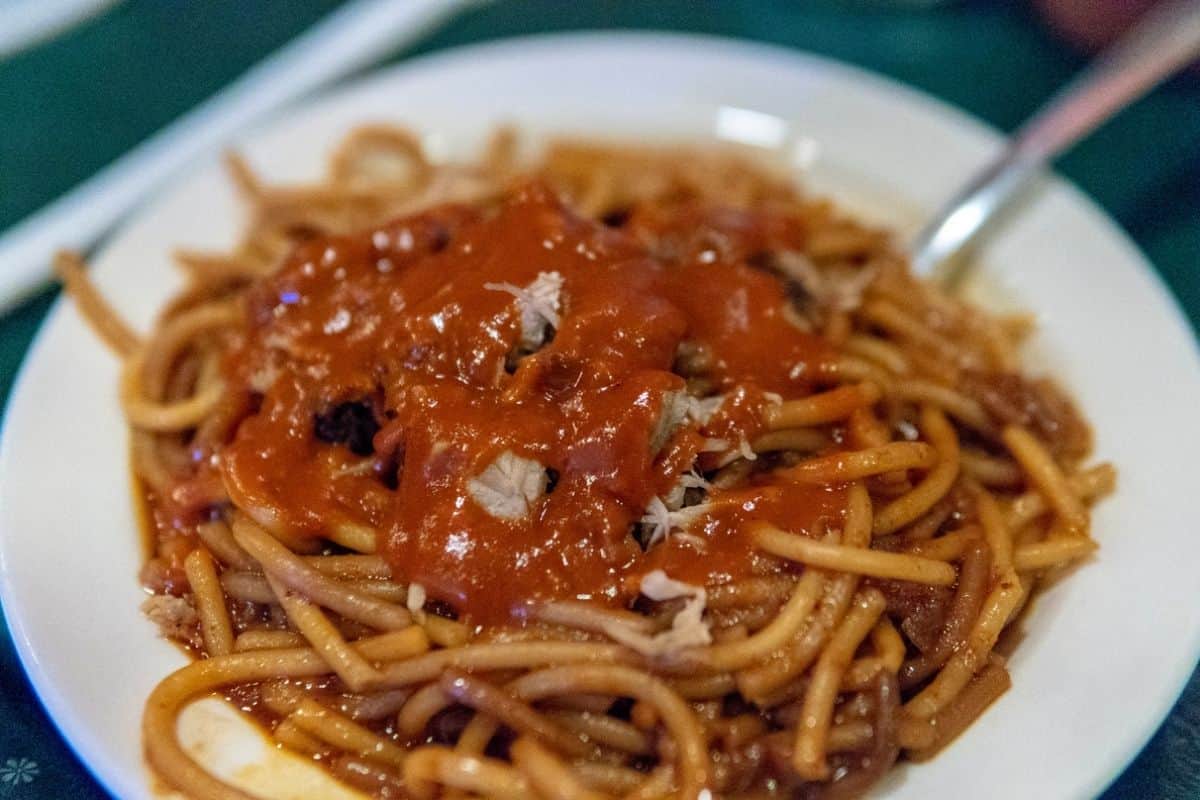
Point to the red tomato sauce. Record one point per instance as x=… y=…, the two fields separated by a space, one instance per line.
x=406 y=323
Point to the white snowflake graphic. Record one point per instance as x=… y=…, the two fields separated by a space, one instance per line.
x=17 y=771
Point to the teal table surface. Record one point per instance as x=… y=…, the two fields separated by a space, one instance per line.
x=71 y=105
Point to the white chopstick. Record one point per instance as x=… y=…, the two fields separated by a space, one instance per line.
x=349 y=39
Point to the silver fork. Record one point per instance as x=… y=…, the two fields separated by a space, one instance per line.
x=1164 y=41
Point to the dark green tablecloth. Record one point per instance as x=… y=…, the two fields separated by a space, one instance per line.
x=73 y=104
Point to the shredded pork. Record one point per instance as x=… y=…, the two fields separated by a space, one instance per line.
x=539 y=304
x=688 y=480
x=509 y=486
x=661 y=521
x=674 y=412
x=701 y=409
x=415 y=601
x=687 y=628
x=175 y=617
x=832 y=289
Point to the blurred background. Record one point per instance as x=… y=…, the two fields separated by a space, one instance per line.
x=83 y=81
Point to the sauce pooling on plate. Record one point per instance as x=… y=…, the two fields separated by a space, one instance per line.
x=502 y=395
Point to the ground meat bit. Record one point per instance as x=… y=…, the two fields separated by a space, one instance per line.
x=1037 y=404
x=920 y=608
x=351 y=424
x=175 y=617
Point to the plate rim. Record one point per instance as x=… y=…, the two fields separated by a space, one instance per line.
x=107 y=773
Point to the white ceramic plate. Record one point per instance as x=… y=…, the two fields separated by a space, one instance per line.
x=1106 y=653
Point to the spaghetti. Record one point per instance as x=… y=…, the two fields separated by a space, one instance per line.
x=633 y=473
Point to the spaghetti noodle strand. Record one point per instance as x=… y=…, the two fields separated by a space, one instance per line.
x=105 y=321
x=875 y=563
x=292 y=572
x=934 y=486
x=352 y=668
x=813 y=730
x=210 y=603
x=629 y=471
